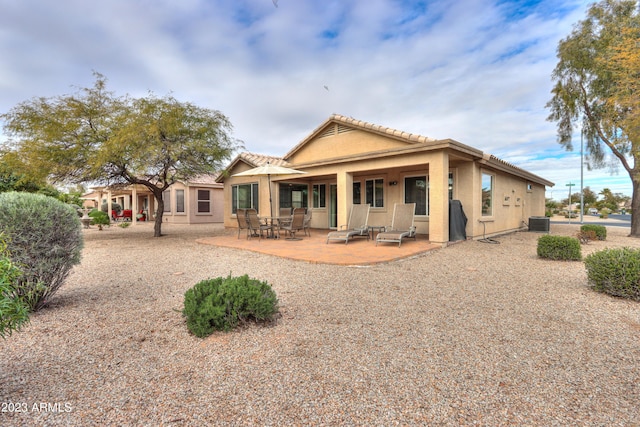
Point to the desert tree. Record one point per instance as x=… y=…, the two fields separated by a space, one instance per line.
x=93 y=136
x=597 y=90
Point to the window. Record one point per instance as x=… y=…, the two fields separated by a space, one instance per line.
x=374 y=189
x=166 y=198
x=179 y=201
x=319 y=195
x=415 y=191
x=357 y=198
x=293 y=195
x=204 y=201
x=487 y=194
x=244 y=196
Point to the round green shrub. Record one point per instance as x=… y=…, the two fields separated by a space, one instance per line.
x=599 y=230
x=615 y=272
x=559 y=248
x=45 y=241
x=220 y=304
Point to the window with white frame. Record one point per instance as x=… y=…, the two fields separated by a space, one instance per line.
x=374 y=192
x=487 y=194
x=244 y=196
x=179 y=201
x=319 y=195
x=204 y=201
x=416 y=191
x=166 y=198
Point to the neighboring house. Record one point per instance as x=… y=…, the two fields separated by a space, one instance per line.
x=197 y=201
x=201 y=200
x=348 y=161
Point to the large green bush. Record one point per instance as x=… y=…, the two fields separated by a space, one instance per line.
x=599 y=230
x=559 y=248
x=13 y=311
x=220 y=304
x=615 y=272
x=45 y=241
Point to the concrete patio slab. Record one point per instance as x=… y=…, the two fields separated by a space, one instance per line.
x=314 y=248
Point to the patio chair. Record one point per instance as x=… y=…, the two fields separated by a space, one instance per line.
x=256 y=227
x=307 y=223
x=285 y=217
x=297 y=224
x=357 y=226
x=241 y=216
x=401 y=224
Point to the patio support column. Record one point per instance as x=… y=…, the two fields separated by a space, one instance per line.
x=109 y=204
x=151 y=207
x=345 y=196
x=439 y=199
x=99 y=203
x=134 y=203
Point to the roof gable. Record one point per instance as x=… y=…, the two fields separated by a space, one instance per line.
x=346 y=136
x=245 y=161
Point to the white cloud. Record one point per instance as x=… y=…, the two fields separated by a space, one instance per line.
x=477 y=71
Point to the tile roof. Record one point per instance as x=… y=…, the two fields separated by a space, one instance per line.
x=255 y=159
x=410 y=137
x=204 y=179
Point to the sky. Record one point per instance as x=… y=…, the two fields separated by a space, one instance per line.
x=476 y=71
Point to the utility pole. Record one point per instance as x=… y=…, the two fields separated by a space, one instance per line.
x=569 y=208
x=581 y=175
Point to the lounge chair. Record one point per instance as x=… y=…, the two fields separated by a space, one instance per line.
x=256 y=227
x=356 y=227
x=296 y=224
x=401 y=225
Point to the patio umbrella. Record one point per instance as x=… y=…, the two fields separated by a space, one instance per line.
x=269 y=170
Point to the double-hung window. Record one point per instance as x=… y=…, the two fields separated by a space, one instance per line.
x=179 y=201
x=166 y=198
x=319 y=195
x=374 y=192
x=244 y=196
x=204 y=201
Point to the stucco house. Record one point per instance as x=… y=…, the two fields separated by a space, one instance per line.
x=348 y=161
x=197 y=201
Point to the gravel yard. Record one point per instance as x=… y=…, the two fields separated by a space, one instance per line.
x=473 y=334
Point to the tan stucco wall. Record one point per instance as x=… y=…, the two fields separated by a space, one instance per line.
x=513 y=204
x=344 y=144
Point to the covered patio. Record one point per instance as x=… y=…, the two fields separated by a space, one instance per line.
x=314 y=248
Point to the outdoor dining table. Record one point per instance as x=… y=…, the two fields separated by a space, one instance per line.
x=274 y=222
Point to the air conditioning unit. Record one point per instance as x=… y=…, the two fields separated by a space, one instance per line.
x=539 y=223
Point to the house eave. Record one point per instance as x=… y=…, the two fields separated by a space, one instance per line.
x=446 y=144
x=494 y=162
